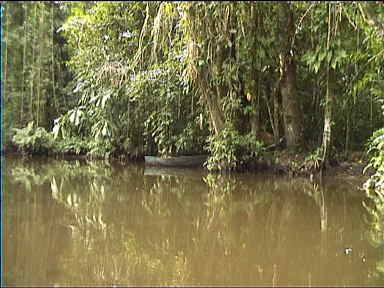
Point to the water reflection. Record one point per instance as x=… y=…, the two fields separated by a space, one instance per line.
x=100 y=223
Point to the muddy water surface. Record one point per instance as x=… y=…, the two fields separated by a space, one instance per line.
x=99 y=223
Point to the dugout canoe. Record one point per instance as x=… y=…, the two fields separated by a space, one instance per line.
x=178 y=161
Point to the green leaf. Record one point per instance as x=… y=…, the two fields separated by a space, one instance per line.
x=316 y=67
x=322 y=56
x=56 y=129
x=334 y=64
x=105 y=130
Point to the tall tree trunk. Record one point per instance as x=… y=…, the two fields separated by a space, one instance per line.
x=24 y=64
x=213 y=93
x=254 y=75
x=212 y=98
x=328 y=117
x=217 y=118
x=6 y=36
x=53 y=63
x=43 y=73
x=5 y=81
x=41 y=41
x=293 y=125
x=329 y=102
x=25 y=26
x=276 y=113
x=255 y=100
x=33 y=69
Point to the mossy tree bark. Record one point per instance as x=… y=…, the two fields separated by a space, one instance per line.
x=293 y=125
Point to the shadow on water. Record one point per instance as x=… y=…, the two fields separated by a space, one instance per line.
x=99 y=223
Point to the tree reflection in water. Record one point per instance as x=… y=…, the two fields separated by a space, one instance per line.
x=96 y=223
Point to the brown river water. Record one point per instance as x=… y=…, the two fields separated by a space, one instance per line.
x=104 y=223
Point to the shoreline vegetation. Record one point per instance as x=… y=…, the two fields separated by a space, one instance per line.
x=273 y=162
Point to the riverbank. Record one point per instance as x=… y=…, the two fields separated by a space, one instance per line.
x=274 y=162
x=302 y=164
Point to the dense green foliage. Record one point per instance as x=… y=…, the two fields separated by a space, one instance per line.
x=34 y=72
x=231 y=150
x=376 y=151
x=125 y=104
x=172 y=78
x=32 y=139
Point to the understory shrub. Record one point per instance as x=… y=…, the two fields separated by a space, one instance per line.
x=229 y=150
x=32 y=139
x=376 y=152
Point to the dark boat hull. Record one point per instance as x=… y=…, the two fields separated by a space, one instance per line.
x=180 y=161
